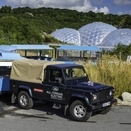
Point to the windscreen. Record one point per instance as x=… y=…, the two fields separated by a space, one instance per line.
x=74 y=72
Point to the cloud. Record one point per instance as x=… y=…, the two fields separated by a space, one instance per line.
x=122 y=2
x=105 y=10
x=125 y=12
x=79 y=5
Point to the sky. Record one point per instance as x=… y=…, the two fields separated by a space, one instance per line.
x=117 y=7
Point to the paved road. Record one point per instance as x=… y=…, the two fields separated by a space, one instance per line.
x=43 y=118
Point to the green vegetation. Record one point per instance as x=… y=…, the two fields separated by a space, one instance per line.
x=119 y=52
x=113 y=69
x=32 y=25
x=114 y=73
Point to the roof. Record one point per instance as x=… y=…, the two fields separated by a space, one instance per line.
x=32 y=47
x=7 y=48
x=66 y=65
x=61 y=47
x=30 y=70
x=80 y=48
x=9 y=56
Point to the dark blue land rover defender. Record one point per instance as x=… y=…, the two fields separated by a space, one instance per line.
x=59 y=83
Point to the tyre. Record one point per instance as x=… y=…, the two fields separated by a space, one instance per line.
x=106 y=110
x=78 y=111
x=24 y=100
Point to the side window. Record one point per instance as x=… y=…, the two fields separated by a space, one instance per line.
x=5 y=71
x=54 y=74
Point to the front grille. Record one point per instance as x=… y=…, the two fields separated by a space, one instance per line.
x=103 y=95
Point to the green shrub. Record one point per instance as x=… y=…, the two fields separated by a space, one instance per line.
x=114 y=73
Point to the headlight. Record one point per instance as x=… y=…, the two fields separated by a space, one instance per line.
x=94 y=97
x=90 y=83
x=110 y=93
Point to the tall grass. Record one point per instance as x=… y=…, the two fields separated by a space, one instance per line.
x=114 y=73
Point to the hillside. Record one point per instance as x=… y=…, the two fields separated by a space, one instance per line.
x=32 y=26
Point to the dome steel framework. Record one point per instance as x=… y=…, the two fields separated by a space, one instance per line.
x=67 y=35
x=96 y=33
x=119 y=36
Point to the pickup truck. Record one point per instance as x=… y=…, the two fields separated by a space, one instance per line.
x=60 y=83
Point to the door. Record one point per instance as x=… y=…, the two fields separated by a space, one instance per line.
x=56 y=90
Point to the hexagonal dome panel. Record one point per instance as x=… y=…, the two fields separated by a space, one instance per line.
x=94 y=33
x=119 y=36
x=68 y=35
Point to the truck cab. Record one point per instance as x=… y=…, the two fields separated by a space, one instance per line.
x=60 y=83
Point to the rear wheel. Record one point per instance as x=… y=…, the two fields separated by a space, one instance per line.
x=24 y=100
x=78 y=111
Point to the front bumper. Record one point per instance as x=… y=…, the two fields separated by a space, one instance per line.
x=104 y=104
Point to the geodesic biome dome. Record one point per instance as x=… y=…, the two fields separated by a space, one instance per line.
x=68 y=35
x=119 y=36
x=94 y=33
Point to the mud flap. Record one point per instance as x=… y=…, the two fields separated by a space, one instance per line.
x=13 y=98
x=65 y=109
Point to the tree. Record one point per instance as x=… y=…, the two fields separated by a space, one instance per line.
x=9 y=23
x=124 y=50
x=6 y=9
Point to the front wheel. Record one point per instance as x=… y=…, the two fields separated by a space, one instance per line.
x=78 y=111
x=24 y=100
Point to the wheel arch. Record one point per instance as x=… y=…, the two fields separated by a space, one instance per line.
x=25 y=88
x=79 y=97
